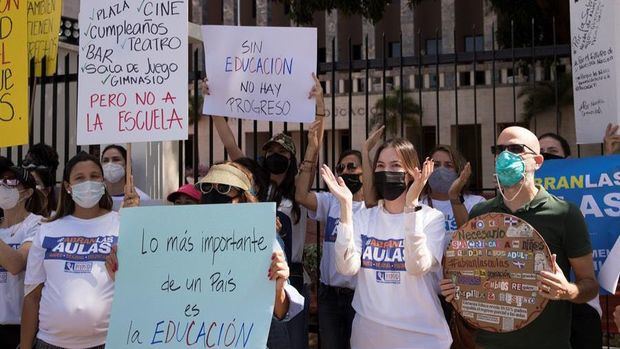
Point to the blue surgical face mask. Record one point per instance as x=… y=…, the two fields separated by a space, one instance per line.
x=509 y=168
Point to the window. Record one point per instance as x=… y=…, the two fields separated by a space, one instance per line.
x=394 y=49
x=433 y=46
x=469 y=143
x=322 y=53
x=478 y=40
x=357 y=52
x=433 y=82
x=480 y=77
x=345 y=138
x=449 y=80
x=253 y=8
x=465 y=78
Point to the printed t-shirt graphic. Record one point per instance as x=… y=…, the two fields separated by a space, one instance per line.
x=68 y=256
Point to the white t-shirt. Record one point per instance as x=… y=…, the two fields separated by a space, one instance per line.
x=328 y=213
x=446 y=208
x=12 y=286
x=388 y=293
x=298 y=229
x=68 y=257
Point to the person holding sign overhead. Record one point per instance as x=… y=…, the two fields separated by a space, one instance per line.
x=394 y=249
x=65 y=276
x=562 y=226
x=114 y=161
x=23 y=206
x=279 y=160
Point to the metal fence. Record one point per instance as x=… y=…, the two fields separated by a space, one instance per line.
x=54 y=108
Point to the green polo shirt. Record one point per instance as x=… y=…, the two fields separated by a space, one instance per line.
x=564 y=229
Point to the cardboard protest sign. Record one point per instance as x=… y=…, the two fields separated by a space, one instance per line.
x=260 y=73
x=494 y=260
x=43 y=26
x=13 y=74
x=593 y=185
x=595 y=40
x=132 y=71
x=194 y=277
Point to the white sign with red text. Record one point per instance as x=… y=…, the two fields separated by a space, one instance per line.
x=133 y=66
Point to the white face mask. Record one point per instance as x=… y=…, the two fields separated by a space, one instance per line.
x=87 y=194
x=9 y=197
x=113 y=172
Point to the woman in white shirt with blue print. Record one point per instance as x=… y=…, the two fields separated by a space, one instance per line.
x=394 y=249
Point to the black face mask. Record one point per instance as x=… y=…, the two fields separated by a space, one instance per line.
x=352 y=181
x=390 y=185
x=548 y=156
x=276 y=163
x=213 y=197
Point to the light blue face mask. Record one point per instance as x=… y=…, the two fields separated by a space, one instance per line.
x=510 y=168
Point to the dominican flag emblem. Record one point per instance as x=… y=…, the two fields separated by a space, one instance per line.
x=518 y=264
x=510 y=221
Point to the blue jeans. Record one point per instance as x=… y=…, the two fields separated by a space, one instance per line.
x=298 y=326
x=335 y=317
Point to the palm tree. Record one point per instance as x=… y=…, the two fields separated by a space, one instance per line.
x=411 y=112
x=540 y=97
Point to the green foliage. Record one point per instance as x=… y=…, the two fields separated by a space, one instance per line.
x=411 y=112
x=540 y=98
x=312 y=258
x=190 y=110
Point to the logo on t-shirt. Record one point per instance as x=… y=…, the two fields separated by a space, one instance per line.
x=330 y=229
x=450 y=223
x=78 y=248
x=388 y=277
x=384 y=255
x=78 y=267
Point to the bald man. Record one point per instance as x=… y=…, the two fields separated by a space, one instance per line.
x=562 y=226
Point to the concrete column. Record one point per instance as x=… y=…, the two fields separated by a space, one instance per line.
x=331 y=32
x=263 y=13
x=490 y=18
x=447 y=26
x=368 y=30
x=406 y=27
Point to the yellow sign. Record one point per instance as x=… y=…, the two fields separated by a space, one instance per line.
x=43 y=28
x=13 y=73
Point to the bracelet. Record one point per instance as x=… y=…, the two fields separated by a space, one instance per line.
x=458 y=201
x=317 y=114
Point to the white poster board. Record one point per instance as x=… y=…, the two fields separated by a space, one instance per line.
x=595 y=37
x=133 y=82
x=260 y=73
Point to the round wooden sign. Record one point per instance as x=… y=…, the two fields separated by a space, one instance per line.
x=494 y=261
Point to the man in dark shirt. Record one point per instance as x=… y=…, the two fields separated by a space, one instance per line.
x=563 y=228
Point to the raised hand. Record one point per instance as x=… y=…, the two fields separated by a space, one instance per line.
x=336 y=185
x=313 y=134
x=612 y=140
x=374 y=138
x=204 y=87
x=419 y=181
x=457 y=186
x=278 y=270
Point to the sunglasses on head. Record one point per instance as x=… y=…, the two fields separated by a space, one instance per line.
x=351 y=166
x=223 y=189
x=513 y=148
x=9 y=182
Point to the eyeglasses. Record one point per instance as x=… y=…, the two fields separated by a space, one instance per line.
x=9 y=182
x=351 y=166
x=223 y=189
x=513 y=148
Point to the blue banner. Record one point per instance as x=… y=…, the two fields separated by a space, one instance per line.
x=593 y=184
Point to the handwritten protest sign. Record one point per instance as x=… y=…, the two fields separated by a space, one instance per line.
x=13 y=74
x=43 y=26
x=494 y=260
x=132 y=71
x=194 y=277
x=593 y=184
x=260 y=73
x=595 y=40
